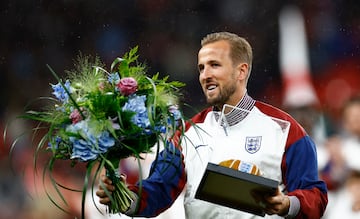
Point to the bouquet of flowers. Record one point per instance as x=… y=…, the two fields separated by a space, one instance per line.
x=100 y=117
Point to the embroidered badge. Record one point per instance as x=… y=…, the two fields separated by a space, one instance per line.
x=253 y=144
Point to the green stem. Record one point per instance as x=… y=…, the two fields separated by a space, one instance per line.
x=122 y=196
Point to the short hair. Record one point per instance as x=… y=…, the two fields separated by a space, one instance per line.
x=240 y=48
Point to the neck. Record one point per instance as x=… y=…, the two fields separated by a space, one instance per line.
x=234 y=102
x=235 y=116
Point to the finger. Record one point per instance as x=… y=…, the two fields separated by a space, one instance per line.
x=274 y=208
x=105 y=179
x=275 y=199
x=105 y=201
x=102 y=194
x=270 y=211
x=104 y=186
x=123 y=177
x=277 y=205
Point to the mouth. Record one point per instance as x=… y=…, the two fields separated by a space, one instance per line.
x=211 y=87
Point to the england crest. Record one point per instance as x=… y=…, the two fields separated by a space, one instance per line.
x=253 y=144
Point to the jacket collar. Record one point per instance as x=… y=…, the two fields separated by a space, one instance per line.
x=235 y=116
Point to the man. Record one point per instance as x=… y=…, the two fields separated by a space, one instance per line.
x=224 y=63
x=342 y=172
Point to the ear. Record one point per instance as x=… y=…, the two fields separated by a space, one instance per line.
x=243 y=70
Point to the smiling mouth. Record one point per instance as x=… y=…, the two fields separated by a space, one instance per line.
x=211 y=87
x=211 y=90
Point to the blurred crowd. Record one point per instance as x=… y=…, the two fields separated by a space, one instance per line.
x=168 y=33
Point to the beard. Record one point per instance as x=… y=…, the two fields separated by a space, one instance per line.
x=223 y=96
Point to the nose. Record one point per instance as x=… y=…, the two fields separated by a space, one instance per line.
x=206 y=73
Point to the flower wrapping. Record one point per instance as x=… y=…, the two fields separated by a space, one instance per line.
x=100 y=117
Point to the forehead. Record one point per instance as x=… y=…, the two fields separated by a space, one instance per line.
x=214 y=51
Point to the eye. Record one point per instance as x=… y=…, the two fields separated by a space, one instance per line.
x=200 y=68
x=214 y=64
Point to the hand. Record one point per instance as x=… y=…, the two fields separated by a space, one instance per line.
x=106 y=183
x=279 y=203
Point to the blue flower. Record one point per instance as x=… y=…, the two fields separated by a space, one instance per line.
x=161 y=129
x=175 y=112
x=105 y=141
x=75 y=128
x=114 y=78
x=60 y=92
x=82 y=150
x=137 y=104
x=56 y=143
x=90 y=145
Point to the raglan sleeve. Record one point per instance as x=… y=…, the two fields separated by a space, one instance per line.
x=164 y=184
x=301 y=178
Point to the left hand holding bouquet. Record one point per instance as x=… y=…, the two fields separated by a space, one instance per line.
x=106 y=187
x=106 y=184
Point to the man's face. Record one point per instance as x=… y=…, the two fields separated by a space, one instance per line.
x=217 y=75
x=351 y=118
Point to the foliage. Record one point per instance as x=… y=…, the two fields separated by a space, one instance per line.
x=100 y=117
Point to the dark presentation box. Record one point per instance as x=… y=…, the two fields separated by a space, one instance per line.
x=233 y=188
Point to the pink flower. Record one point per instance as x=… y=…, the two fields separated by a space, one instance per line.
x=101 y=86
x=127 y=86
x=75 y=116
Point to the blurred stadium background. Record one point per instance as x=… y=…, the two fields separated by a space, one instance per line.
x=168 y=33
